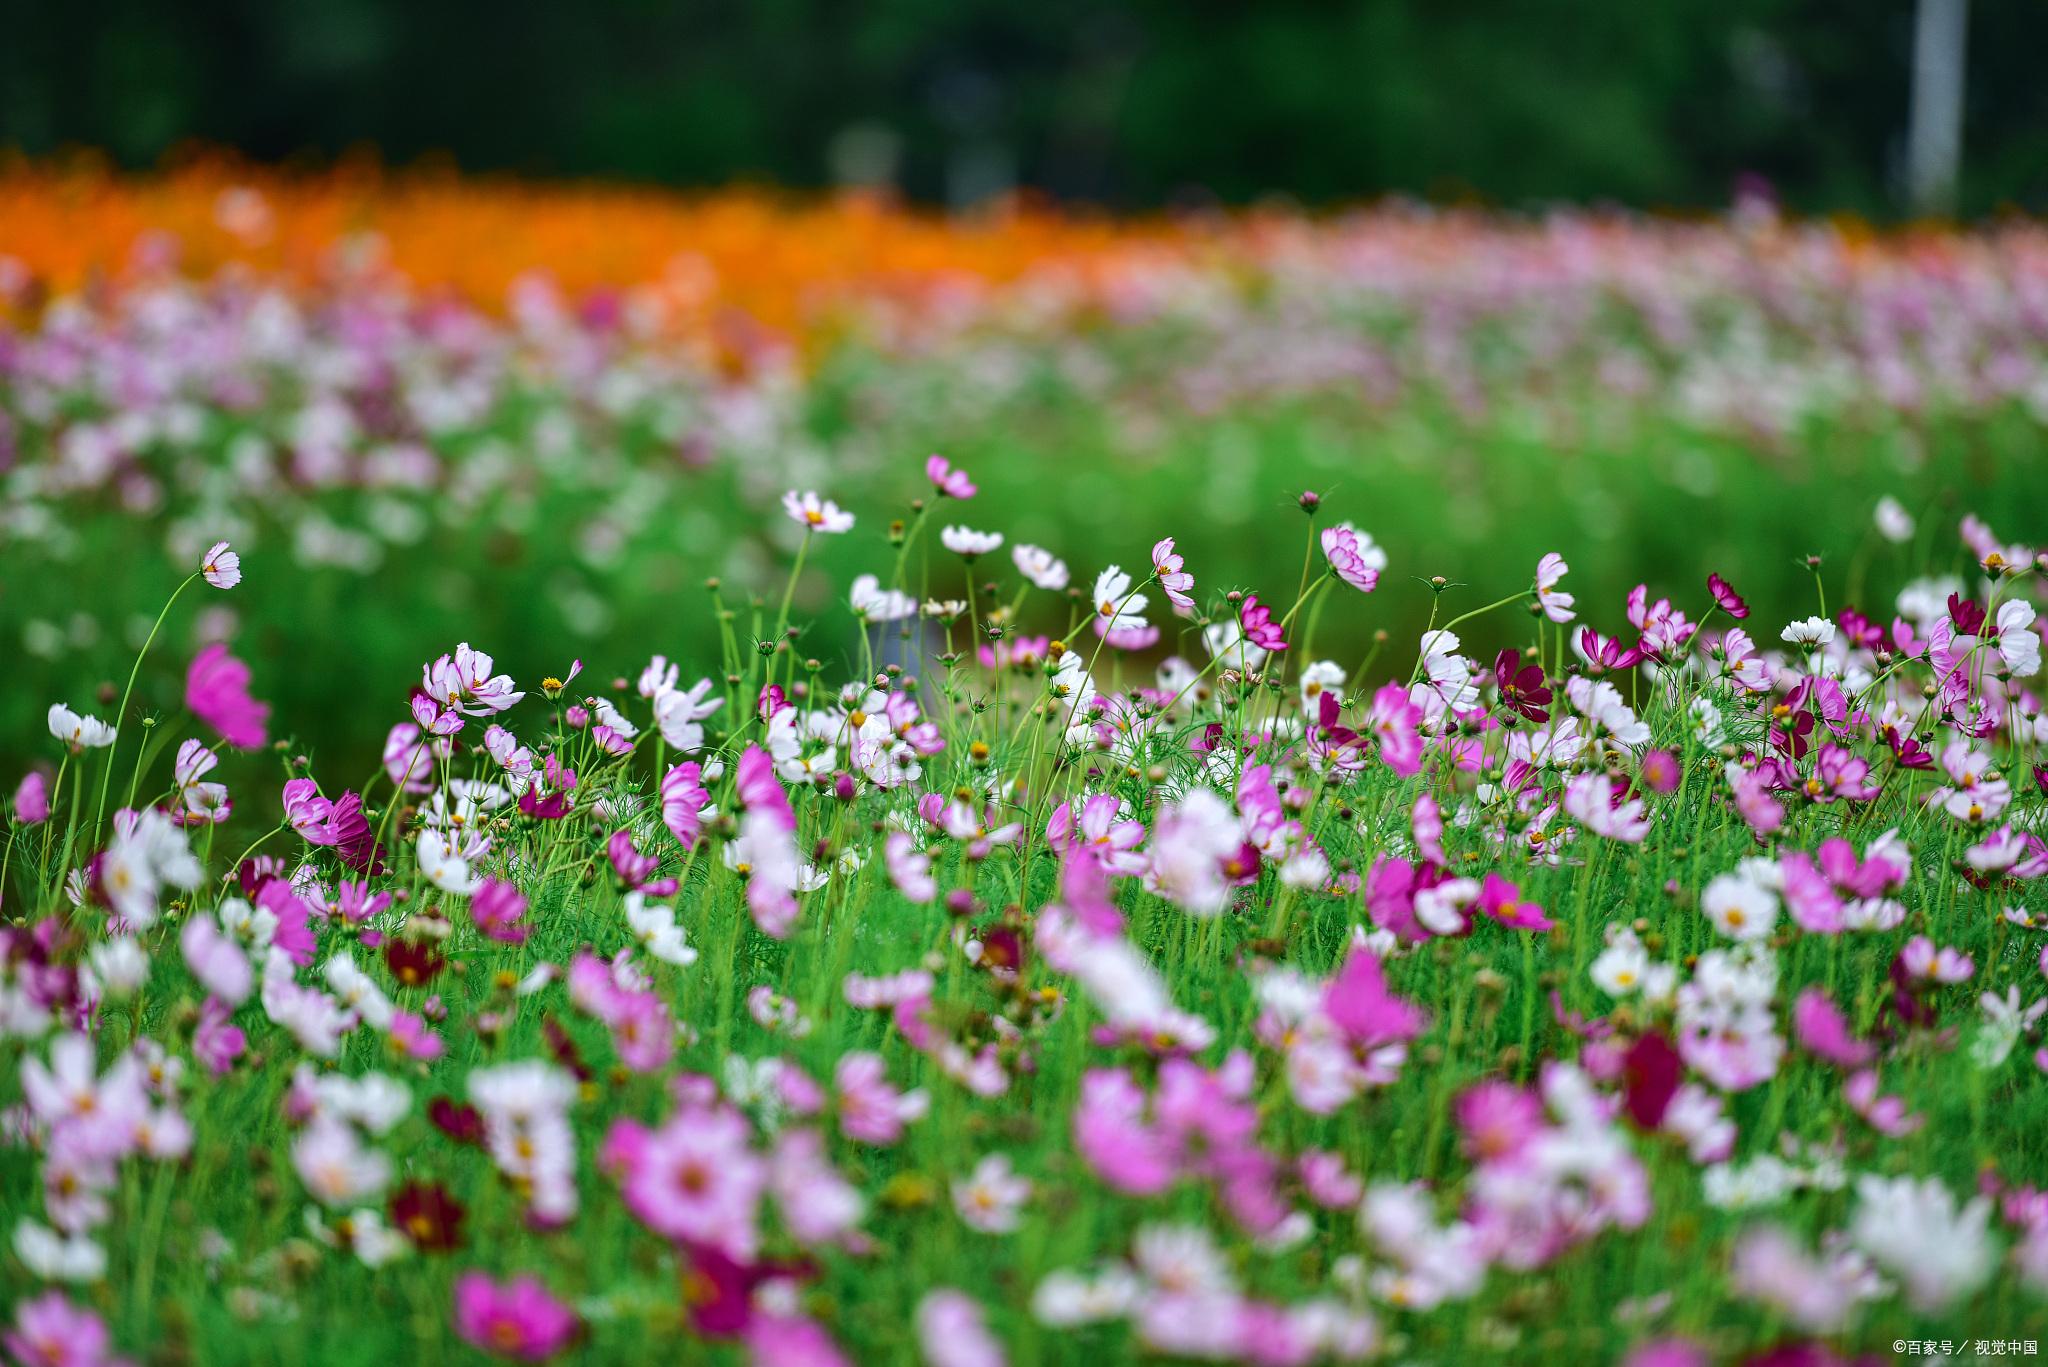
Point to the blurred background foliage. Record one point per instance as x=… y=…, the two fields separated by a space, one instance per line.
x=1141 y=103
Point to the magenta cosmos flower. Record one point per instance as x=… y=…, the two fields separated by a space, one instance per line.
x=1726 y=598
x=515 y=1319
x=1259 y=627
x=217 y=692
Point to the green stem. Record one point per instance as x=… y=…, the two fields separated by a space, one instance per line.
x=121 y=717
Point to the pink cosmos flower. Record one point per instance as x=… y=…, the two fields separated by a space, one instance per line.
x=221 y=566
x=2008 y=850
x=1499 y=1120
x=698 y=1178
x=791 y=1341
x=408 y=758
x=306 y=812
x=1166 y=564
x=1111 y=1135
x=1885 y=1114
x=910 y=869
x=1660 y=772
x=1101 y=830
x=1358 y=1003
x=1596 y=803
x=683 y=799
x=1764 y=813
x=49 y=1331
x=759 y=789
x=293 y=933
x=953 y=1333
x=949 y=482
x=1501 y=900
x=1976 y=792
x=1922 y=959
x=1427 y=821
x=464 y=682
x=215 y=960
x=1353 y=557
x=1665 y=631
x=216 y=1042
x=32 y=799
x=870 y=1109
x=1396 y=720
x=411 y=1037
x=498 y=907
x=355 y=903
x=1667 y=1353
x=1326 y=1180
x=514 y=1319
x=1840 y=773
x=636 y=870
x=217 y=692
x=1823 y=1031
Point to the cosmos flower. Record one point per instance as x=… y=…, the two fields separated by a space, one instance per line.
x=813 y=514
x=1041 y=567
x=221 y=567
x=969 y=544
x=515 y=1318
x=1353 y=557
x=79 y=733
x=949 y=483
x=1117 y=607
x=1556 y=604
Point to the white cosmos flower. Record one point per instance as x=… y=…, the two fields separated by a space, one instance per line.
x=119 y=964
x=79 y=732
x=1812 y=631
x=358 y=991
x=1225 y=641
x=444 y=868
x=1740 y=907
x=990 y=1197
x=654 y=926
x=59 y=1257
x=1324 y=676
x=1044 y=569
x=680 y=713
x=1621 y=967
x=965 y=541
x=337 y=1167
x=1894 y=523
x=1116 y=607
x=873 y=603
x=2018 y=643
x=1912 y=1228
x=814 y=514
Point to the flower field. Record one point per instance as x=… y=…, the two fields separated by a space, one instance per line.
x=1408 y=787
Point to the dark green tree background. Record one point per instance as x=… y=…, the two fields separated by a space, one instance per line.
x=1147 y=102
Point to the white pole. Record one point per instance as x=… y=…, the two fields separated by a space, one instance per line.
x=1934 y=141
